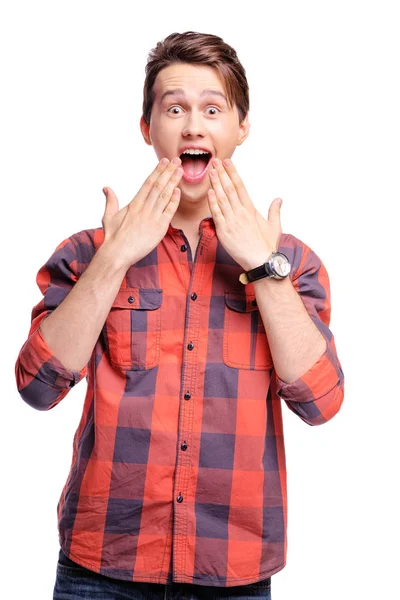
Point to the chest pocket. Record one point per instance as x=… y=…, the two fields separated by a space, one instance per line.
x=245 y=342
x=133 y=328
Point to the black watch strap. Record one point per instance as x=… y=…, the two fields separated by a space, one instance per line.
x=258 y=272
x=267 y=269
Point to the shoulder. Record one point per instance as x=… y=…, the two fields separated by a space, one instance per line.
x=300 y=255
x=80 y=246
x=308 y=273
x=89 y=238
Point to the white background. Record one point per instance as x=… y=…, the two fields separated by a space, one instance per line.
x=324 y=113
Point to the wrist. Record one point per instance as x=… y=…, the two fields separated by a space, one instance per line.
x=256 y=261
x=110 y=254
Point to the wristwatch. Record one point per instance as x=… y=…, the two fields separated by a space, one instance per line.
x=277 y=267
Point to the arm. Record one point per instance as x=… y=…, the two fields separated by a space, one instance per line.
x=66 y=323
x=78 y=296
x=296 y=314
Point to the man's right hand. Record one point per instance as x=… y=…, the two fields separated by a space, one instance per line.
x=137 y=229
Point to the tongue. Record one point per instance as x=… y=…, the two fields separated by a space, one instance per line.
x=193 y=166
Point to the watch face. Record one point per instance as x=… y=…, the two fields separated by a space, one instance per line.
x=281 y=264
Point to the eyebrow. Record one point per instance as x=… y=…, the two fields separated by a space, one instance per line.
x=181 y=92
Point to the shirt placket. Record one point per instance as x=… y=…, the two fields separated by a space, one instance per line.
x=186 y=411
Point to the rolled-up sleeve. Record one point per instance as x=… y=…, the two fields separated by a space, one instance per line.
x=42 y=380
x=318 y=394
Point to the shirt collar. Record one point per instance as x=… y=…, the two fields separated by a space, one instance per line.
x=206 y=224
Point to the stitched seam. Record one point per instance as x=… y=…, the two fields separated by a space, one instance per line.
x=228 y=359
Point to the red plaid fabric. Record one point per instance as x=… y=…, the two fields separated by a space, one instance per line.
x=178 y=470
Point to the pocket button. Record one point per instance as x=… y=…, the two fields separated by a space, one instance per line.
x=133 y=328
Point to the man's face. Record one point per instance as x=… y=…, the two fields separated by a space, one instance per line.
x=193 y=118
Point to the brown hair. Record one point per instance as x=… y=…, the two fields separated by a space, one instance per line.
x=198 y=48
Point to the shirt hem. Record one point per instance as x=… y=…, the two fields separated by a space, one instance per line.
x=233 y=582
x=183 y=578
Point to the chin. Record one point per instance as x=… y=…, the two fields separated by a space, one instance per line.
x=194 y=195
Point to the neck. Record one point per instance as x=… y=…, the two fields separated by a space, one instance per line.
x=188 y=216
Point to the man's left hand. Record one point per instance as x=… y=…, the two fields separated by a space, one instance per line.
x=244 y=233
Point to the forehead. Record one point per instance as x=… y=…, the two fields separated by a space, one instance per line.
x=192 y=79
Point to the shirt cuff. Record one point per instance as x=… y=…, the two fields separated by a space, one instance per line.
x=37 y=359
x=319 y=380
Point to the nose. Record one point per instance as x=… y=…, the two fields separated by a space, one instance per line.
x=194 y=124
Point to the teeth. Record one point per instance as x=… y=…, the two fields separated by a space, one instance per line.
x=195 y=151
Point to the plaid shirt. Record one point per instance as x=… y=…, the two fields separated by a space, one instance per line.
x=178 y=469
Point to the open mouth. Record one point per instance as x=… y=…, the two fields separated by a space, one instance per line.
x=194 y=166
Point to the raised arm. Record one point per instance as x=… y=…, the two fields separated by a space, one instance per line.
x=67 y=321
x=317 y=394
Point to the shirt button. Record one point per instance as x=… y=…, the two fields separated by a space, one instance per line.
x=193 y=296
x=254 y=302
x=184 y=446
x=183 y=248
x=187 y=396
x=180 y=498
x=131 y=299
x=190 y=346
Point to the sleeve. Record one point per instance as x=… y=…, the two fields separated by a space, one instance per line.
x=318 y=394
x=42 y=381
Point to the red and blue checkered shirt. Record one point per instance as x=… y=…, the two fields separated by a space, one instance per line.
x=178 y=471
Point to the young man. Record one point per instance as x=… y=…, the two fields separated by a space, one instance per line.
x=191 y=317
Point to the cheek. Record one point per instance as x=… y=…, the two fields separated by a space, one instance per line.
x=162 y=133
x=160 y=145
x=225 y=133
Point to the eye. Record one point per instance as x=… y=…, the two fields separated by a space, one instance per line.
x=173 y=107
x=214 y=108
x=176 y=107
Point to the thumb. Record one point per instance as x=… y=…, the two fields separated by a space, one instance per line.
x=112 y=205
x=275 y=209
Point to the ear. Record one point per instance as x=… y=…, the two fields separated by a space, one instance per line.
x=244 y=130
x=145 y=129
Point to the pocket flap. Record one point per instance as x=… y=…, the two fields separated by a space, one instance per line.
x=241 y=302
x=138 y=298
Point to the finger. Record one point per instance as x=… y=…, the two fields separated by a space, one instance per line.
x=274 y=212
x=227 y=183
x=112 y=205
x=221 y=197
x=171 y=207
x=164 y=197
x=237 y=182
x=214 y=207
x=162 y=181
x=147 y=186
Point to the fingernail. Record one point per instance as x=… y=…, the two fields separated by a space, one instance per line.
x=176 y=160
x=105 y=192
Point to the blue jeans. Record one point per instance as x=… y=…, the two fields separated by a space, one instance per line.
x=74 y=582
